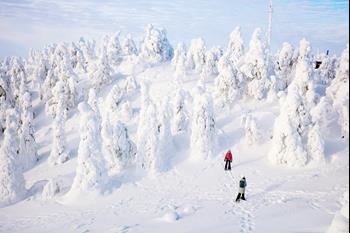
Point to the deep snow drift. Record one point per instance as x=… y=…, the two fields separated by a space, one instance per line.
x=119 y=137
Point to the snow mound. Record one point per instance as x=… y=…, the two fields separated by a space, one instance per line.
x=340 y=223
x=170 y=216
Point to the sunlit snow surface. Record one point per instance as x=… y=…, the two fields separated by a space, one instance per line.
x=34 y=23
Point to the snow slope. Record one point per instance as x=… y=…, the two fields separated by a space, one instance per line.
x=190 y=197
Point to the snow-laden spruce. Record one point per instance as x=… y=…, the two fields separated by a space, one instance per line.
x=255 y=67
x=227 y=84
x=338 y=91
x=212 y=57
x=155 y=46
x=179 y=60
x=195 y=59
x=52 y=188
x=114 y=50
x=59 y=152
x=287 y=145
x=113 y=104
x=323 y=114
x=90 y=172
x=180 y=119
x=118 y=150
x=203 y=135
x=78 y=60
x=327 y=70
x=12 y=184
x=316 y=145
x=147 y=140
x=101 y=75
x=128 y=46
x=131 y=86
x=88 y=49
x=305 y=75
x=93 y=102
x=235 y=48
x=284 y=66
x=154 y=140
x=62 y=72
x=28 y=147
x=252 y=130
x=17 y=73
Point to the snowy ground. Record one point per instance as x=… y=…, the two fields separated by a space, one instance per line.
x=191 y=197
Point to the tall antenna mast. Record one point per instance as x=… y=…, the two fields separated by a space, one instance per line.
x=270 y=24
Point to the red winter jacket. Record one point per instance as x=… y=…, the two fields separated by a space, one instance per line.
x=228 y=156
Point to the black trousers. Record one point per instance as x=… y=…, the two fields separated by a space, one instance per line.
x=228 y=165
x=240 y=196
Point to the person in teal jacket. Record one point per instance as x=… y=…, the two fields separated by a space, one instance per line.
x=241 y=191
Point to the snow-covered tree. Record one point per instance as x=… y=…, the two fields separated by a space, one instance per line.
x=323 y=113
x=28 y=146
x=315 y=145
x=61 y=70
x=165 y=142
x=203 y=136
x=126 y=112
x=227 y=84
x=284 y=65
x=305 y=76
x=40 y=70
x=179 y=60
x=4 y=103
x=52 y=188
x=47 y=86
x=212 y=57
x=252 y=131
x=87 y=47
x=289 y=128
x=327 y=70
x=77 y=58
x=92 y=101
x=128 y=46
x=196 y=55
x=180 y=116
x=131 y=85
x=155 y=46
x=119 y=151
x=255 y=67
x=338 y=91
x=101 y=75
x=153 y=134
x=113 y=103
x=12 y=184
x=58 y=96
x=91 y=172
x=147 y=140
x=235 y=48
x=114 y=50
x=59 y=153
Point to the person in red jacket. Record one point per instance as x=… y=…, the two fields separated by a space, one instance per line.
x=228 y=160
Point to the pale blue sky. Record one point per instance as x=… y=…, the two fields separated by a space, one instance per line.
x=34 y=23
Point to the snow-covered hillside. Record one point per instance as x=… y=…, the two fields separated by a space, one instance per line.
x=127 y=136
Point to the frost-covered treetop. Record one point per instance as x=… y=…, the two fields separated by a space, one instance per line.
x=235 y=48
x=155 y=46
x=343 y=70
x=305 y=50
